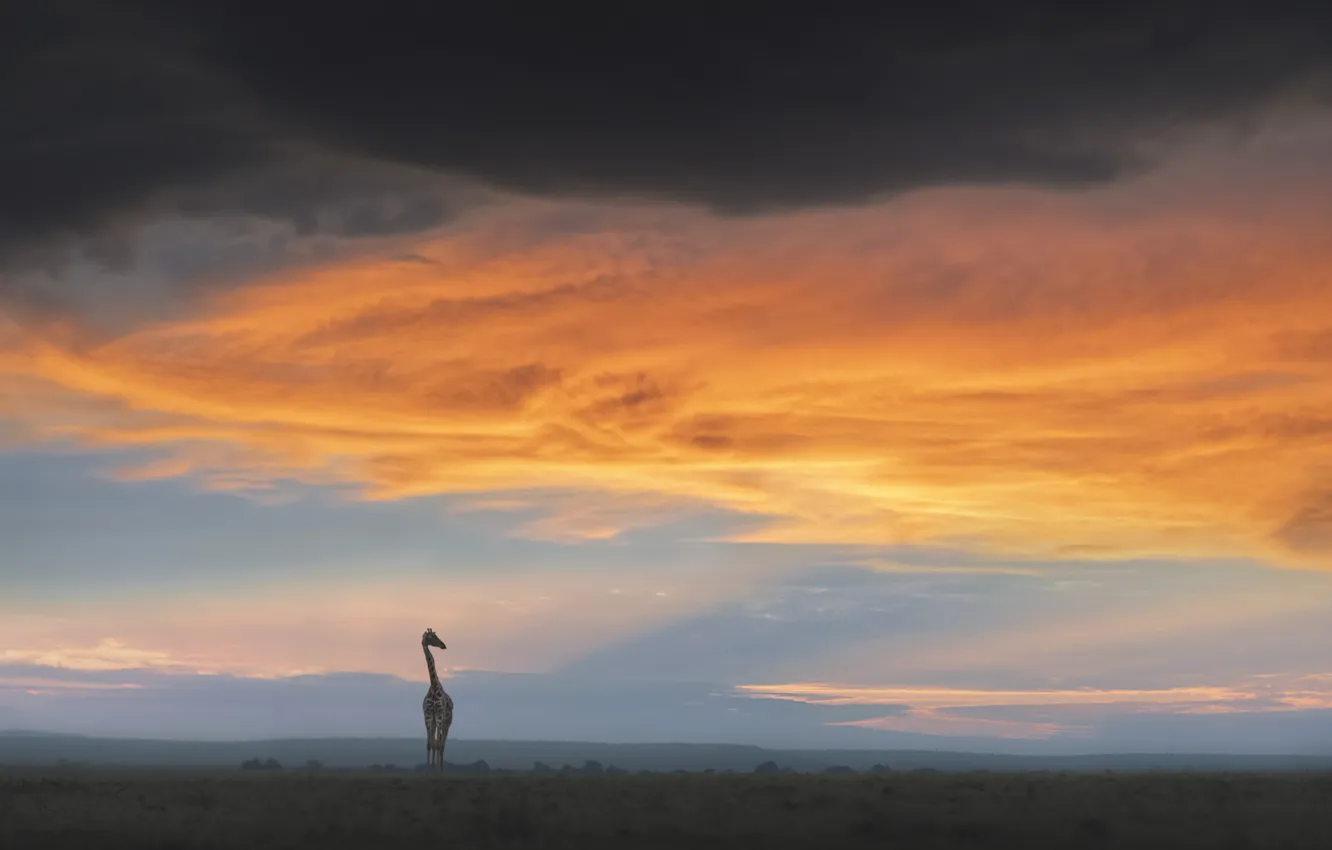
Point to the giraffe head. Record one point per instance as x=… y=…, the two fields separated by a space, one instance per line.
x=432 y=639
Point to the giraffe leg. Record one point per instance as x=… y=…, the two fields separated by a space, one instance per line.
x=438 y=758
x=443 y=739
x=431 y=729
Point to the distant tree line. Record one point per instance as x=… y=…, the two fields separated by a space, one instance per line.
x=256 y=764
x=589 y=768
x=773 y=767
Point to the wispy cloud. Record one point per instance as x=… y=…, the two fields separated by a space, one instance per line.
x=565 y=516
x=1051 y=712
x=37 y=685
x=108 y=654
x=885 y=565
x=112 y=654
x=958 y=697
x=935 y=722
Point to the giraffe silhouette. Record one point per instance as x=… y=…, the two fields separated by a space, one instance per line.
x=437 y=705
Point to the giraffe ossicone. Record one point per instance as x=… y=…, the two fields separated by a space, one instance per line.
x=437 y=705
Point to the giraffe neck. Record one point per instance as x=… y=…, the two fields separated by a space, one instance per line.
x=430 y=665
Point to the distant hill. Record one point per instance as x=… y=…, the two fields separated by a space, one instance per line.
x=37 y=748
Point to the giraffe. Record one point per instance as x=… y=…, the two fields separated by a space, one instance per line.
x=437 y=705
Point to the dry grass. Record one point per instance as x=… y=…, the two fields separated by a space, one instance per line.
x=145 y=810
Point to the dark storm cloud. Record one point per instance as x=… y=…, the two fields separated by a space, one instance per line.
x=744 y=110
x=110 y=107
x=101 y=111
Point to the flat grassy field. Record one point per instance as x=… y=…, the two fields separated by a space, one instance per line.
x=183 y=810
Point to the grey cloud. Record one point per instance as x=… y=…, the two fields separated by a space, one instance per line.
x=338 y=196
x=782 y=632
x=1276 y=733
x=844 y=624
x=152 y=260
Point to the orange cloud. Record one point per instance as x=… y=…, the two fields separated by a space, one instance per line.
x=1140 y=370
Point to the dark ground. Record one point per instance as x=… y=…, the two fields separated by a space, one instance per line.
x=257 y=811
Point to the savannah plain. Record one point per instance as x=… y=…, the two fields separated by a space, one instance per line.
x=183 y=810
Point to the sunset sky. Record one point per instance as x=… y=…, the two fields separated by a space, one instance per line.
x=881 y=381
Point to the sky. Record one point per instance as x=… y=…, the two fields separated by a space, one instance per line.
x=946 y=377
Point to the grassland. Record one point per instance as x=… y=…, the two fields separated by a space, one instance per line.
x=193 y=810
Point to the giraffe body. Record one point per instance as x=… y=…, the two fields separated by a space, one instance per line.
x=437 y=707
